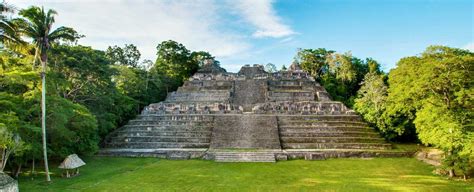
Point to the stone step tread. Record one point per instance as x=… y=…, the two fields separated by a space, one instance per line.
x=319 y=121
x=243 y=152
x=171 y=122
x=328 y=126
x=336 y=146
x=244 y=161
x=338 y=137
x=278 y=115
x=160 y=128
x=384 y=144
x=162 y=137
x=339 y=150
x=327 y=132
x=317 y=129
x=155 y=125
x=153 y=139
x=159 y=131
x=147 y=145
x=171 y=118
x=300 y=90
x=156 y=142
x=244 y=157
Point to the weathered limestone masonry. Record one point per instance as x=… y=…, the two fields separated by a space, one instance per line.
x=249 y=116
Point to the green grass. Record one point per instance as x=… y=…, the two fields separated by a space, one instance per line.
x=150 y=174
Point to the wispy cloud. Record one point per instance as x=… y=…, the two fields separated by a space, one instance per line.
x=262 y=15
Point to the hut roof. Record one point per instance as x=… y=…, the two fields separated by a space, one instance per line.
x=71 y=162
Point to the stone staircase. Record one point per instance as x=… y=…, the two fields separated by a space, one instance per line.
x=290 y=90
x=257 y=156
x=328 y=132
x=163 y=131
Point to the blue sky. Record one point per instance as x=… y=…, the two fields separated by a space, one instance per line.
x=264 y=31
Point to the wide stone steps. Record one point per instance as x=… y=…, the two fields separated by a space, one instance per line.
x=244 y=157
x=166 y=128
x=130 y=133
x=329 y=134
x=331 y=140
x=319 y=118
x=174 y=117
x=321 y=123
x=336 y=146
x=161 y=139
x=325 y=129
x=146 y=145
x=168 y=122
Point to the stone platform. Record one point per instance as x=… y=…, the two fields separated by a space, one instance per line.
x=250 y=116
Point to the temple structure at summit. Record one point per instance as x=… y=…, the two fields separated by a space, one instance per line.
x=251 y=116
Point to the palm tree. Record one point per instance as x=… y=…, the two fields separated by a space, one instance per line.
x=9 y=34
x=37 y=26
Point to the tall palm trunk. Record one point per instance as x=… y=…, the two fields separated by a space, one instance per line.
x=43 y=114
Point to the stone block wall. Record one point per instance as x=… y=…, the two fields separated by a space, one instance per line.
x=245 y=131
x=247 y=93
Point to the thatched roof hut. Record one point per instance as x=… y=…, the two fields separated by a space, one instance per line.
x=72 y=162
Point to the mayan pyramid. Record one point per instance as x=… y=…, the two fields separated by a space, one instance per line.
x=251 y=115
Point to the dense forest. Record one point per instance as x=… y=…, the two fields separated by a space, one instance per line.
x=427 y=98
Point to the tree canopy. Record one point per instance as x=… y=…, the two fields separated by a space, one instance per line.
x=431 y=93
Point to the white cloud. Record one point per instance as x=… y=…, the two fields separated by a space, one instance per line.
x=469 y=47
x=198 y=24
x=147 y=23
x=261 y=14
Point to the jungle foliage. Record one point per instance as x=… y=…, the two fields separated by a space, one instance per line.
x=89 y=92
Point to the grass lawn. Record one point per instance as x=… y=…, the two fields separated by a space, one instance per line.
x=150 y=174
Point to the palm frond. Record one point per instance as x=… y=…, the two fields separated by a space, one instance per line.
x=64 y=33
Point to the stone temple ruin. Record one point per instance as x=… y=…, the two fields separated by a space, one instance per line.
x=251 y=115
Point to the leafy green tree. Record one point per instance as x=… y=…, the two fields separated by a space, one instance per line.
x=201 y=56
x=314 y=61
x=85 y=76
x=371 y=99
x=373 y=66
x=174 y=64
x=175 y=60
x=340 y=74
x=434 y=91
x=74 y=128
x=342 y=66
x=10 y=140
x=129 y=55
x=133 y=83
